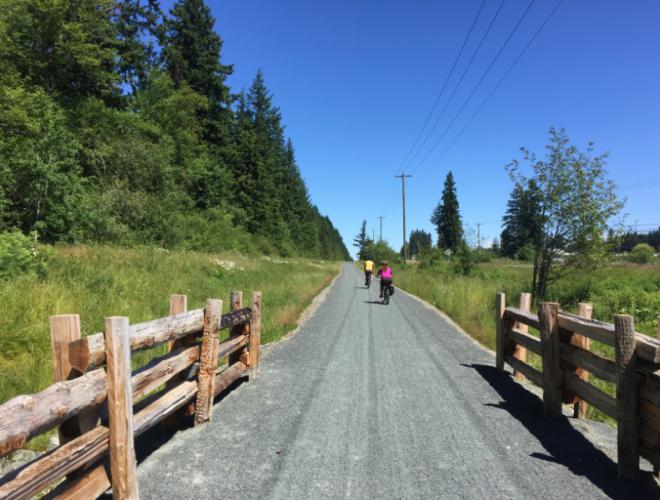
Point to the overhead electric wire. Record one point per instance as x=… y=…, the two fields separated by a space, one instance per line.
x=444 y=85
x=460 y=80
x=476 y=87
x=499 y=83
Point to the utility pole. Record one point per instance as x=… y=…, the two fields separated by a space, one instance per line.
x=403 y=199
x=373 y=234
x=479 y=224
x=381 y=227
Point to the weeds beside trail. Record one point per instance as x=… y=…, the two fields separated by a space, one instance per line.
x=96 y=282
x=470 y=300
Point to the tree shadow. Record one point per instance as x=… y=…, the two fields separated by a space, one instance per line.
x=565 y=445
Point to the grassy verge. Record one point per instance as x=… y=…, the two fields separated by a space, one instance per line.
x=470 y=300
x=96 y=282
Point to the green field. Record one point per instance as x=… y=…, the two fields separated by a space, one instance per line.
x=470 y=300
x=96 y=282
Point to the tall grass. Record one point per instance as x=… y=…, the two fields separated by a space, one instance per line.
x=96 y=282
x=470 y=300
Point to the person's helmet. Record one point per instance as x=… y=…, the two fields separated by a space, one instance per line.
x=383 y=262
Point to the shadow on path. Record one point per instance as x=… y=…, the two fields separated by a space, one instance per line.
x=565 y=445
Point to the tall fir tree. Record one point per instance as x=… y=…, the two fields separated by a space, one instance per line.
x=192 y=51
x=361 y=240
x=137 y=28
x=523 y=221
x=447 y=219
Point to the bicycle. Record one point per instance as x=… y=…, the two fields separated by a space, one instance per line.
x=388 y=291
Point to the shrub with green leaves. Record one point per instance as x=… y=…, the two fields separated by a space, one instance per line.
x=642 y=253
x=19 y=255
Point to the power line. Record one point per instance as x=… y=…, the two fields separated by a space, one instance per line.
x=497 y=86
x=460 y=80
x=481 y=80
x=444 y=85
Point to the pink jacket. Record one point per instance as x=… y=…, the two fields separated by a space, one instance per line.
x=386 y=274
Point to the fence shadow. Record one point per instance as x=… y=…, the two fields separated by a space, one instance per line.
x=565 y=445
x=157 y=436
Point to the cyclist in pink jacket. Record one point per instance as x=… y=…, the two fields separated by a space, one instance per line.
x=385 y=275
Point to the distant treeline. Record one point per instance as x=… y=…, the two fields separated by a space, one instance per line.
x=630 y=239
x=117 y=125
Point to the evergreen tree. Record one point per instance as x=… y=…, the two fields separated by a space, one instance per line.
x=361 y=240
x=137 y=27
x=523 y=224
x=192 y=51
x=66 y=48
x=447 y=219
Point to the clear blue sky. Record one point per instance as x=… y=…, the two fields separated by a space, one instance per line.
x=355 y=81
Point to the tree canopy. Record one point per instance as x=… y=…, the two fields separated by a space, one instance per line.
x=118 y=126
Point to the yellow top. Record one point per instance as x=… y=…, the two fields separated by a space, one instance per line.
x=368 y=265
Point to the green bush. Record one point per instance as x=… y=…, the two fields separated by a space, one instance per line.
x=525 y=253
x=642 y=253
x=481 y=255
x=19 y=255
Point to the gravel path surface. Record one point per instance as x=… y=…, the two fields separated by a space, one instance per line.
x=372 y=401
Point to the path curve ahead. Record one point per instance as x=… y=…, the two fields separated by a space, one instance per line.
x=371 y=401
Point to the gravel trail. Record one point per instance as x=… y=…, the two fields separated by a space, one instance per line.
x=372 y=401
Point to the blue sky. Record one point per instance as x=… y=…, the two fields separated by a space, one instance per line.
x=355 y=81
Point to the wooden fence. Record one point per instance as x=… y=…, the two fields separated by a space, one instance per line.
x=567 y=362
x=100 y=406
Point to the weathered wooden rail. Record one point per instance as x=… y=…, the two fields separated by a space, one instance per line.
x=564 y=344
x=100 y=406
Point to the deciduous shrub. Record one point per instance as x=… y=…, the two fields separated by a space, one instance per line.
x=642 y=253
x=19 y=255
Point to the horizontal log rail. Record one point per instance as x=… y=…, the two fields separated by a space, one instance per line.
x=527 y=370
x=596 y=365
x=564 y=347
x=647 y=348
x=526 y=340
x=159 y=391
x=89 y=352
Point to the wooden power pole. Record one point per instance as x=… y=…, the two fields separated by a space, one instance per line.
x=403 y=178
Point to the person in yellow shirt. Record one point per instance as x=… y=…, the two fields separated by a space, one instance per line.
x=368 y=270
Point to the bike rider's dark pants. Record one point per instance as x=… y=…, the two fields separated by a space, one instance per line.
x=367 y=275
x=383 y=284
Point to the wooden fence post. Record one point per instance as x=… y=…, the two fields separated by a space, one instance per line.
x=656 y=468
x=240 y=355
x=178 y=305
x=500 y=339
x=255 y=334
x=65 y=328
x=521 y=352
x=626 y=396
x=120 y=408
x=208 y=362
x=552 y=375
x=580 y=406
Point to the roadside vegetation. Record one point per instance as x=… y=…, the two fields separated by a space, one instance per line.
x=470 y=300
x=100 y=281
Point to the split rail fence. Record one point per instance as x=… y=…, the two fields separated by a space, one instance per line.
x=564 y=345
x=99 y=405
